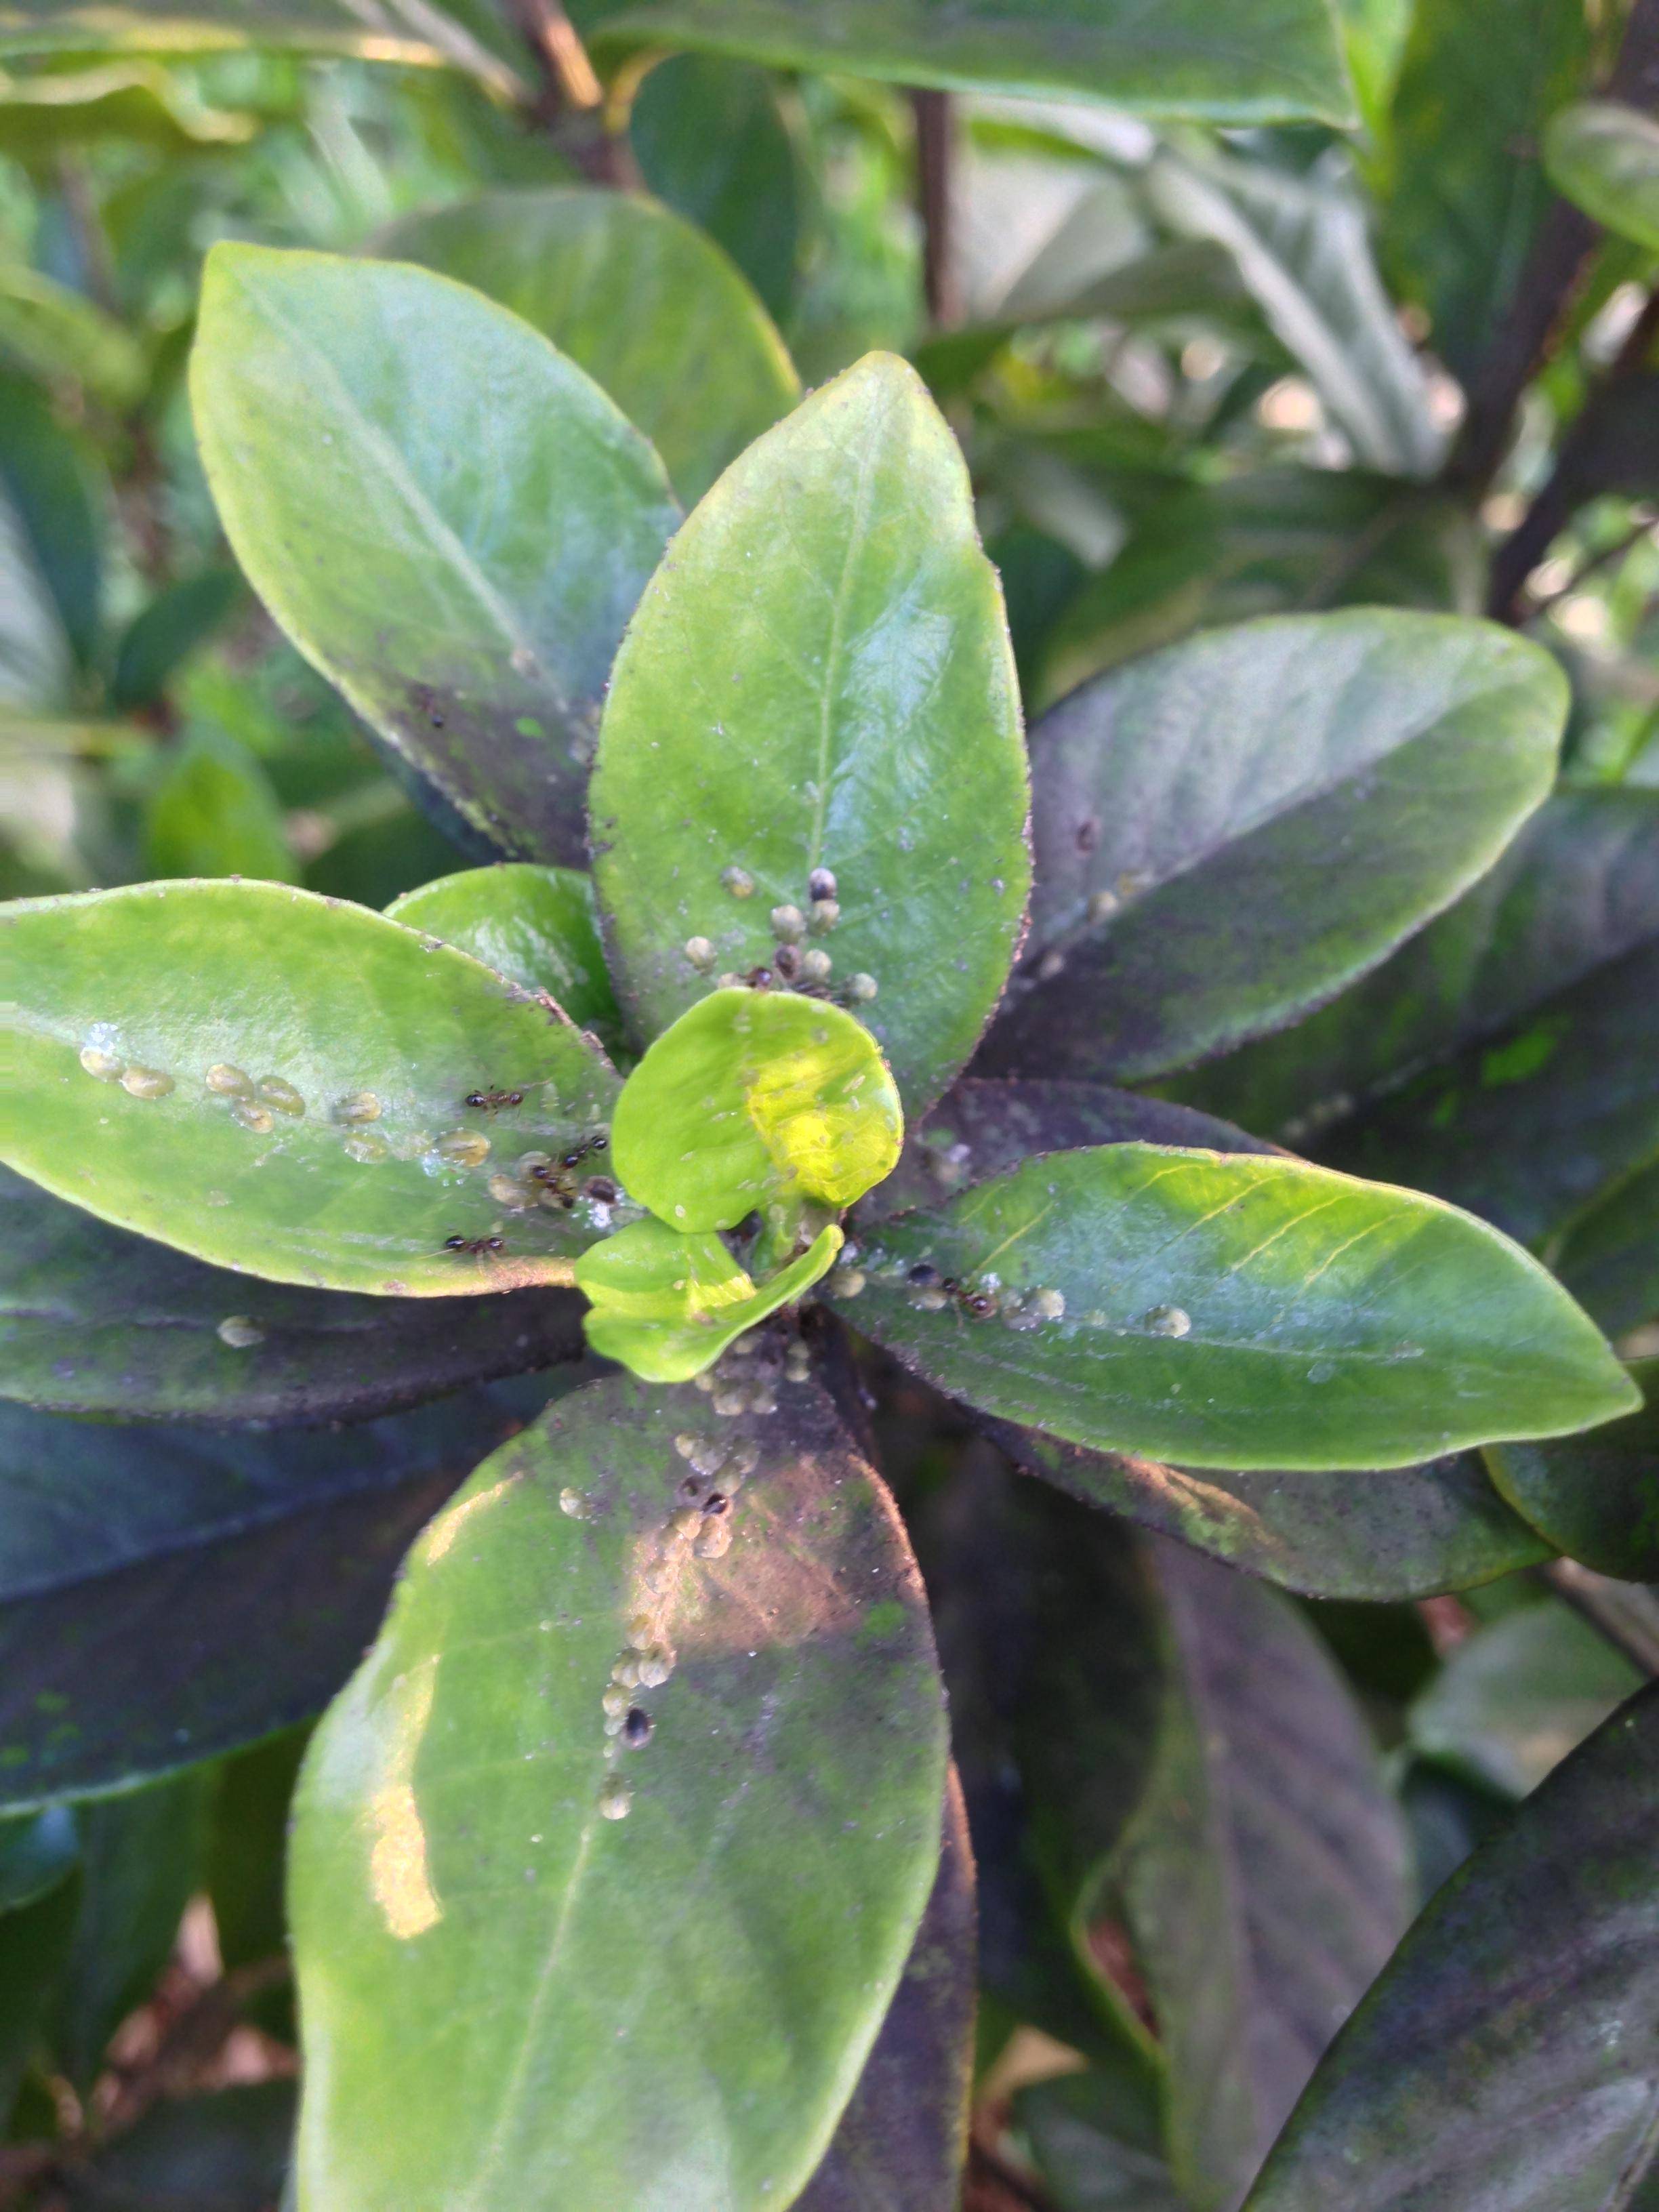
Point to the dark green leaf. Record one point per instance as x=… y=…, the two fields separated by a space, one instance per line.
x=765 y=1857
x=142 y=1856
x=1302 y=247
x=1608 y=1256
x=752 y=1101
x=1594 y=1498
x=149 y=1016
x=95 y=1321
x=167 y=1594
x=37 y=1851
x=34 y=652
x=1535 y=2089
x=1282 y=59
x=34 y=1943
x=56 y=487
x=450 y=520
x=227 y=2152
x=538 y=926
x=1408 y=1532
x=1517 y=1695
x=247 y=1850
x=166 y=632
x=1232 y=1311
x=900 y=2144
x=57 y=333
x=1277 y=541
x=818 y=679
x=1176 y=798
x=1075 y=2128
x=1605 y=157
x=1478 y=79
x=1577 y=889
x=655 y=312
x=712 y=138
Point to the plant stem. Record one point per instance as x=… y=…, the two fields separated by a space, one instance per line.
x=571 y=108
x=935 y=160
x=1535 y=320
x=1626 y=1615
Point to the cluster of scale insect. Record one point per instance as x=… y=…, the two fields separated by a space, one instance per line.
x=795 y=965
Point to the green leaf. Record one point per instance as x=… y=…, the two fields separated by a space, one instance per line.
x=1409 y=1532
x=1577 y=889
x=215 y=813
x=34 y=1943
x=1517 y=1695
x=903 y=2136
x=1604 y=157
x=248 y=1849
x=141 y=1860
x=37 y=1851
x=166 y=632
x=1075 y=2131
x=56 y=484
x=667 y=1305
x=1280 y=59
x=424 y=37
x=1479 y=80
x=358 y=1167
x=538 y=926
x=34 y=652
x=644 y=303
x=1536 y=1962
x=818 y=679
x=167 y=1594
x=95 y=1321
x=1595 y=1497
x=224 y=2151
x=1608 y=1255
x=1235 y=1312
x=1276 y=541
x=712 y=138
x=1263 y=1880
x=129 y=101
x=756 y=1100
x=1303 y=249
x=57 y=333
x=764 y=1857
x=1176 y=799
x=450 y=520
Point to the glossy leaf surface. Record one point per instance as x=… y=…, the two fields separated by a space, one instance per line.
x=1605 y=157
x=1176 y=798
x=1595 y=1497
x=94 y=1321
x=1405 y=1532
x=450 y=520
x=538 y=926
x=354 y=1171
x=819 y=678
x=1282 y=60
x=752 y=1099
x=646 y=303
x=1538 y=1959
x=667 y=1305
x=1232 y=1311
x=167 y=1594
x=779 y=1831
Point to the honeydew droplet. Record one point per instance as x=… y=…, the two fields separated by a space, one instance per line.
x=463 y=1148
x=365 y=1149
x=573 y=1502
x=253 y=1115
x=104 y=1065
x=862 y=988
x=240 y=1333
x=700 y=953
x=229 y=1082
x=815 y=965
x=930 y=1301
x=615 y=1800
x=281 y=1097
x=506 y=1191
x=358 y=1106
x=738 y=882
x=788 y=924
x=145 y=1082
x=848 y=1282
x=1048 y=1305
x=1168 y=1321
x=527 y=1163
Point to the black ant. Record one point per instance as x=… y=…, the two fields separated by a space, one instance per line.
x=491 y=1101
x=475 y=1245
x=977 y=1305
